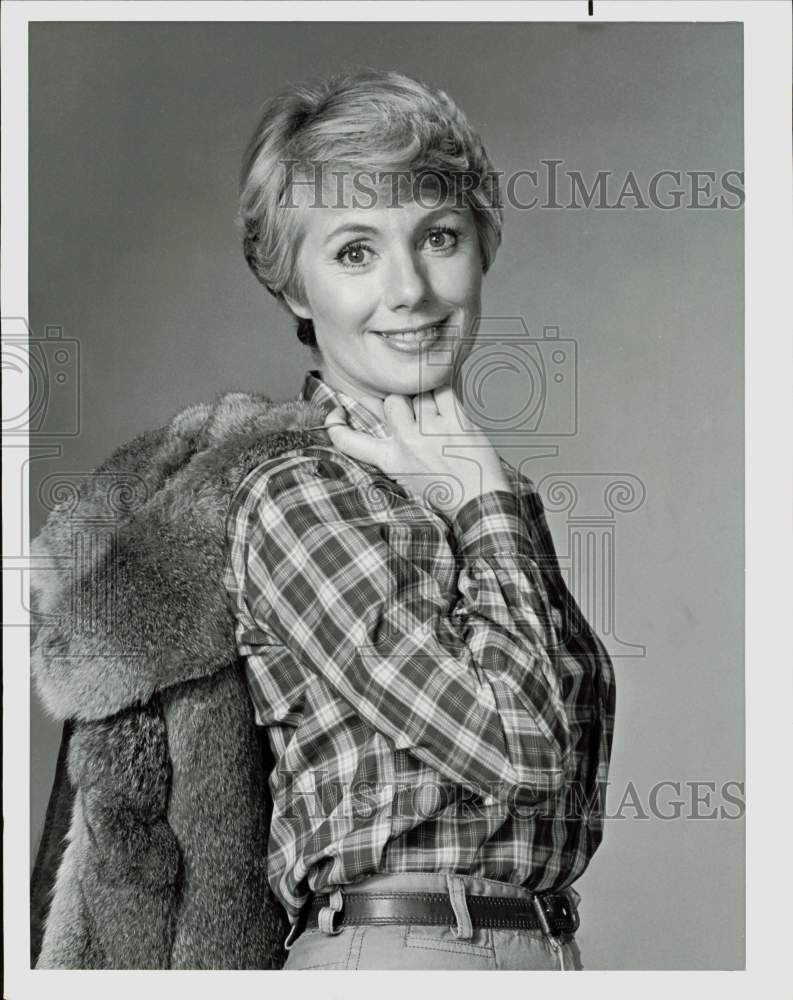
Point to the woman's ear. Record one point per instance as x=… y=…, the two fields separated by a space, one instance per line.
x=300 y=310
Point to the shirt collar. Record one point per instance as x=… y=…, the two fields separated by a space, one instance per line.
x=321 y=395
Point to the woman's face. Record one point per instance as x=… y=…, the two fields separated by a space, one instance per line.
x=372 y=273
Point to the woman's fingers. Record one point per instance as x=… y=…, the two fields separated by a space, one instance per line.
x=398 y=410
x=445 y=399
x=424 y=406
x=364 y=447
x=337 y=416
x=450 y=407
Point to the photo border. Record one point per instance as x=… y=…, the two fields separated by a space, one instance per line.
x=769 y=499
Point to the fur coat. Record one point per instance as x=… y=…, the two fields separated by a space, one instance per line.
x=162 y=777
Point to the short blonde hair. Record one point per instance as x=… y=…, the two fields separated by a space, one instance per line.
x=375 y=121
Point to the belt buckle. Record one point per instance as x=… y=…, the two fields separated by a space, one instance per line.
x=570 y=909
x=543 y=907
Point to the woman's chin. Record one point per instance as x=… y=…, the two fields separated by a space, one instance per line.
x=410 y=380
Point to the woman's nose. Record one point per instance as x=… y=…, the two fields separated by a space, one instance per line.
x=406 y=284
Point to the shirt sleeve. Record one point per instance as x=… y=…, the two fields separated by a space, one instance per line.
x=466 y=681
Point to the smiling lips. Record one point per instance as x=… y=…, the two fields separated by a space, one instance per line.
x=414 y=332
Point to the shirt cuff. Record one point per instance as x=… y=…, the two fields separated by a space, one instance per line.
x=491 y=523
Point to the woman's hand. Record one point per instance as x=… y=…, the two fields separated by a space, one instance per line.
x=423 y=430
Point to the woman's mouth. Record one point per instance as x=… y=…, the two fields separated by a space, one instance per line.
x=413 y=339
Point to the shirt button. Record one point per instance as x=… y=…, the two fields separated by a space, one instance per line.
x=488 y=800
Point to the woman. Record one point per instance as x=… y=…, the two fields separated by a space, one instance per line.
x=435 y=716
x=425 y=655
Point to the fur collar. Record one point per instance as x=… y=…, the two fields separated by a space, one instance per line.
x=128 y=570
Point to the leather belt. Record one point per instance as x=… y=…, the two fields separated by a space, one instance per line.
x=552 y=913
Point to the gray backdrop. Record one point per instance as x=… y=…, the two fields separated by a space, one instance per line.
x=136 y=133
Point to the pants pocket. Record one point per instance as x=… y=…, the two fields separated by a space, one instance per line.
x=316 y=950
x=438 y=937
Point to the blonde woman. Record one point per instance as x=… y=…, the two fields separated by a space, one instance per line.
x=412 y=656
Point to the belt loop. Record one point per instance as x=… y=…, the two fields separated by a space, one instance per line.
x=456 y=886
x=327 y=913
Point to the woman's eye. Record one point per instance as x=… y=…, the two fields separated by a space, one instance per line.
x=353 y=255
x=442 y=239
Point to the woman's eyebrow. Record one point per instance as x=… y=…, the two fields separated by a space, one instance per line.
x=351 y=227
x=363 y=228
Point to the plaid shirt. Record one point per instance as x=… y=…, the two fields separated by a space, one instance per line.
x=433 y=698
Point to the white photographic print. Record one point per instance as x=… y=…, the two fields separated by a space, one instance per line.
x=389 y=473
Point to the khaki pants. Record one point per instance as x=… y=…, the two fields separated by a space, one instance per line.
x=421 y=946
